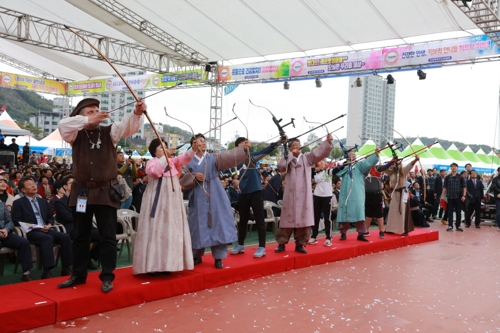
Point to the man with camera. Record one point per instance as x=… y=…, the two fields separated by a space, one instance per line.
x=128 y=169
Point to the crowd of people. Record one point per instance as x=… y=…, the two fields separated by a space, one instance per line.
x=305 y=188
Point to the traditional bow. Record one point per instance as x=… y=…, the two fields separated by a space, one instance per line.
x=133 y=94
x=246 y=137
x=420 y=163
x=280 y=127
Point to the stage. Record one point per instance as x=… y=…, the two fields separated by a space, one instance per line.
x=38 y=303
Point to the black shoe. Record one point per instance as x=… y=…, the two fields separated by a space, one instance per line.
x=197 y=260
x=478 y=227
x=404 y=234
x=362 y=238
x=66 y=271
x=300 y=249
x=106 y=286
x=459 y=229
x=449 y=229
x=72 y=281
x=26 y=278
x=46 y=275
x=381 y=234
x=280 y=248
x=218 y=263
x=91 y=266
x=467 y=225
x=343 y=236
x=166 y=273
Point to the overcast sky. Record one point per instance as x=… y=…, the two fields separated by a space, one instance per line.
x=457 y=103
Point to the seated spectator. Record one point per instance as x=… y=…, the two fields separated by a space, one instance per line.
x=44 y=189
x=417 y=204
x=13 y=241
x=233 y=192
x=138 y=191
x=65 y=217
x=127 y=199
x=5 y=197
x=30 y=209
x=57 y=193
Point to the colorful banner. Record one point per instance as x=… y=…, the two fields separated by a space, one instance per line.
x=136 y=82
x=386 y=59
x=83 y=87
x=256 y=71
x=148 y=81
x=32 y=83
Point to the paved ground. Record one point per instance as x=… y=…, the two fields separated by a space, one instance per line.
x=450 y=285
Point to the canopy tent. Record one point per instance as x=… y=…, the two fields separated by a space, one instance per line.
x=471 y=156
x=55 y=140
x=456 y=155
x=368 y=148
x=147 y=156
x=135 y=155
x=7 y=120
x=7 y=130
x=483 y=157
x=494 y=158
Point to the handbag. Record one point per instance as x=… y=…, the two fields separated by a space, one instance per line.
x=117 y=190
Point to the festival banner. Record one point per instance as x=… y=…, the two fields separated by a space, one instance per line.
x=85 y=87
x=149 y=81
x=256 y=71
x=32 y=83
x=385 y=59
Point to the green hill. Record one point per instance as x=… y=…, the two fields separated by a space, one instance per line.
x=21 y=104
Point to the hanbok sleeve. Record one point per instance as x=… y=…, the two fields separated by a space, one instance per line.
x=319 y=153
x=183 y=159
x=230 y=158
x=155 y=167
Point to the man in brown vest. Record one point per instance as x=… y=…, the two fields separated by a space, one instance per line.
x=94 y=168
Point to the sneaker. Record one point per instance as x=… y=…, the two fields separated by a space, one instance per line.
x=328 y=242
x=449 y=229
x=261 y=251
x=238 y=249
x=313 y=241
x=381 y=234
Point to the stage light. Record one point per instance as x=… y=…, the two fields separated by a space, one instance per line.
x=358 y=82
x=286 y=85
x=421 y=74
x=318 y=82
x=390 y=79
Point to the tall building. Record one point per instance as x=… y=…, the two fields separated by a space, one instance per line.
x=47 y=121
x=370 y=112
x=113 y=100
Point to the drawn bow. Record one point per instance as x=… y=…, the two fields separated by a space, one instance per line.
x=420 y=163
x=133 y=94
x=280 y=127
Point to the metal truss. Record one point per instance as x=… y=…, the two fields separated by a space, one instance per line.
x=36 y=31
x=141 y=24
x=216 y=91
x=485 y=14
x=29 y=69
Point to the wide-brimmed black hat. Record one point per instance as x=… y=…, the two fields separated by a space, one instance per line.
x=83 y=104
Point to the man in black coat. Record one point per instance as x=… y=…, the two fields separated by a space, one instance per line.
x=30 y=209
x=475 y=193
x=438 y=188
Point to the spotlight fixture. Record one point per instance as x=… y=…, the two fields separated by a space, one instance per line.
x=358 y=82
x=286 y=85
x=421 y=74
x=318 y=82
x=466 y=4
x=390 y=79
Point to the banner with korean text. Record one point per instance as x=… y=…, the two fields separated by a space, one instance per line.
x=386 y=59
x=32 y=83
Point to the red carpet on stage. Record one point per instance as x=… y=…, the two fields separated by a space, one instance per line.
x=39 y=303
